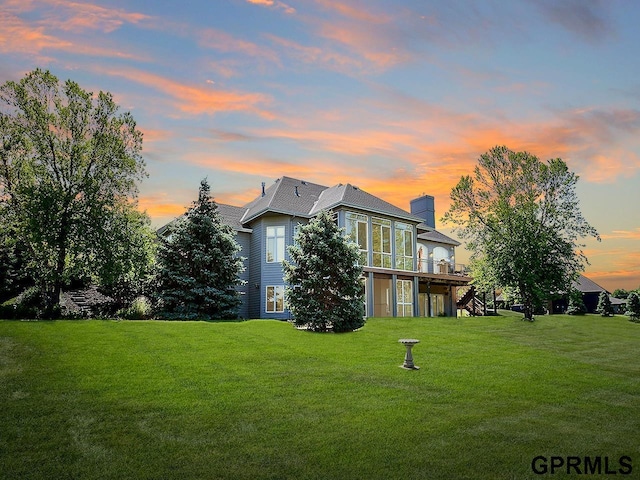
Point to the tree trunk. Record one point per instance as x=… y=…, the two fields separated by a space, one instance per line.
x=52 y=305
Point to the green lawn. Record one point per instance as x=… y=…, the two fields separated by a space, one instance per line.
x=260 y=399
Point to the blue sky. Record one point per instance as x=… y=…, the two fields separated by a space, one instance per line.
x=397 y=97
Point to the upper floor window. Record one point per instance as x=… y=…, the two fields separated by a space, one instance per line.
x=275 y=244
x=356 y=229
x=404 y=246
x=381 y=234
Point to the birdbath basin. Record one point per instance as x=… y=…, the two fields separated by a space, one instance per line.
x=408 y=357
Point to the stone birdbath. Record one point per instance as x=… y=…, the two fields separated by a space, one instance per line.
x=408 y=357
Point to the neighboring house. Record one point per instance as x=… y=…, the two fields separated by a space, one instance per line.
x=409 y=267
x=590 y=295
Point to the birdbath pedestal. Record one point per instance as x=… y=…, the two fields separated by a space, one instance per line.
x=408 y=357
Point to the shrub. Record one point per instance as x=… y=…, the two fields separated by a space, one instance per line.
x=140 y=309
x=604 y=305
x=633 y=307
x=576 y=303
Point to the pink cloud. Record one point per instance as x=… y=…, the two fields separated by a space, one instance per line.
x=224 y=42
x=34 y=37
x=274 y=4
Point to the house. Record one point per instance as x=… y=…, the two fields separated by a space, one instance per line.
x=590 y=296
x=409 y=267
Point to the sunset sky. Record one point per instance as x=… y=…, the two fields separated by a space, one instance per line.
x=397 y=97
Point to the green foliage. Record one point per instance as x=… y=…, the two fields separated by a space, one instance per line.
x=324 y=290
x=69 y=166
x=198 y=265
x=633 y=307
x=522 y=223
x=13 y=279
x=621 y=293
x=604 y=307
x=129 y=248
x=576 y=303
x=140 y=309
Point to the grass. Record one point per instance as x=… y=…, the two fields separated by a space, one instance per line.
x=262 y=400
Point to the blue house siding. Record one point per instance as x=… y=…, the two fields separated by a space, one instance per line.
x=271 y=272
x=255 y=269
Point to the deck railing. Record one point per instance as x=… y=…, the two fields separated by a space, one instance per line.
x=442 y=267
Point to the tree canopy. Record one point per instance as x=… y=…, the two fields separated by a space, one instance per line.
x=324 y=290
x=198 y=264
x=521 y=217
x=69 y=166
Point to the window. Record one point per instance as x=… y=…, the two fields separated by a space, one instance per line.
x=404 y=291
x=275 y=244
x=381 y=233
x=356 y=229
x=275 y=299
x=404 y=246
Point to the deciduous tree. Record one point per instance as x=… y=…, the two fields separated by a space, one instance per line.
x=522 y=217
x=69 y=166
x=324 y=290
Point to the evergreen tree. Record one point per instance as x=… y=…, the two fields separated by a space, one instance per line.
x=633 y=307
x=604 y=305
x=576 y=303
x=198 y=265
x=325 y=289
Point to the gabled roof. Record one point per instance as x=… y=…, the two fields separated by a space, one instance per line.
x=230 y=215
x=348 y=195
x=287 y=195
x=432 y=235
x=586 y=285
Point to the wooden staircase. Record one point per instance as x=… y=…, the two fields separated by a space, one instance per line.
x=471 y=303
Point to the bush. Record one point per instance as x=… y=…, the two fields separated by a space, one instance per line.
x=633 y=307
x=604 y=305
x=140 y=309
x=576 y=303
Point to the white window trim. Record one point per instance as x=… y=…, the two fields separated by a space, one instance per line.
x=274 y=304
x=276 y=237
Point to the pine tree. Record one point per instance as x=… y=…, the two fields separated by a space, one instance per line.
x=198 y=265
x=604 y=305
x=633 y=307
x=324 y=278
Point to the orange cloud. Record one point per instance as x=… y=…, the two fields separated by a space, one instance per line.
x=623 y=234
x=197 y=100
